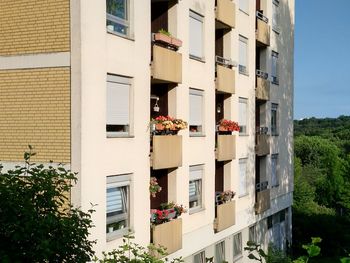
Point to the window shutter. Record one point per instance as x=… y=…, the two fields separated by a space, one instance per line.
x=242 y=120
x=118 y=103
x=242 y=177
x=274 y=170
x=244 y=5
x=196 y=35
x=114 y=200
x=274 y=59
x=195 y=109
x=243 y=51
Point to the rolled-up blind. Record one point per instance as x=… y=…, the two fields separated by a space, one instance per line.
x=114 y=200
x=118 y=102
x=196 y=35
x=196 y=103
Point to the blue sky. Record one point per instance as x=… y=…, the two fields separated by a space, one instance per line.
x=322 y=58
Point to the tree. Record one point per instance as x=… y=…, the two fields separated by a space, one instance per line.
x=37 y=223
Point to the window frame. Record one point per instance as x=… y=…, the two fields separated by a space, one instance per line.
x=274 y=67
x=246 y=5
x=201 y=255
x=199 y=179
x=222 y=250
x=127 y=23
x=200 y=128
x=127 y=128
x=243 y=130
x=243 y=69
x=243 y=161
x=237 y=254
x=274 y=171
x=196 y=16
x=118 y=181
x=274 y=124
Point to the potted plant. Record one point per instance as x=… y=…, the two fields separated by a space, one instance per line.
x=225 y=196
x=164 y=37
x=154 y=187
x=166 y=125
x=227 y=126
x=166 y=213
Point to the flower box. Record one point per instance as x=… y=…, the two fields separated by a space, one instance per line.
x=167 y=40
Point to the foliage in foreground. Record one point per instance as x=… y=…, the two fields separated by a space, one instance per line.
x=275 y=256
x=130 y=252
x=36 y=222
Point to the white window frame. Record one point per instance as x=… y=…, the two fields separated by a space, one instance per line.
x=243 y=120
x=274 y=119
x=114 y=82
x=244 y=6
x=252 y=234
x=274 y=170
x=243 y=42
x=275 y=16
x=237 y=244
x=118 y=181
x=220 y=255
x=123 y=22
x=199 y=124
x=196 y=176
x=193 y=37
x=243 y=180
x=199 y=257
x=274 y=68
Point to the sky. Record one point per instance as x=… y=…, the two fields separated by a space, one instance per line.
x=322 y=58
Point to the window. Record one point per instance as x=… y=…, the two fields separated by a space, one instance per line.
x=195 y=188
x=196 y=36
x=274 y=119
x=118 y=105
x=117 y=210
x=274 y=67
x=242 y=177
x=274 y=170
x=199 y=257
x=243 y=55
x=252 y=234
x=244 y=6
x=237 y=245
x=275 y=16
x=242 y=118
x=220 y=252
x=118 y=16
x=196 y=112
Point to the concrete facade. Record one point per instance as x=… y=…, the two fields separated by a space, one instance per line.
x=78 y=87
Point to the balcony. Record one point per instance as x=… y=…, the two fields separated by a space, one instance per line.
x=262 y=91
x=226 y=147
x=225 y=216
x=262 y=146
x=225 y=14
x=262 y=198
x=166 y=151
x=225 y=76
x=262 y=30
x=168 y=235
x=166 y=65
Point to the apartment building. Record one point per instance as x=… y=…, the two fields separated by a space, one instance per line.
x=80 y=80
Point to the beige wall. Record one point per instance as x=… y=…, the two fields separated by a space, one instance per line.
x=36 y=26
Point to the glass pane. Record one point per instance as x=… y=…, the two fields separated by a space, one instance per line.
x=117 y=8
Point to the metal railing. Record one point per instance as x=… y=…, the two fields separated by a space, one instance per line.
x=225 y=62
x=262 y=74
x=261 y=186
x=260 y=16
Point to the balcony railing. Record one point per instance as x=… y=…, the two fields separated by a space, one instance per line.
x=263 y=202
x=262 y=146
x=166 y=151
x=226 y=147
x=225 y=216
x=262 y=91
x=225 y=13
x=262 y=29
x=168 y=235
x=225 y=75
x=166 y=65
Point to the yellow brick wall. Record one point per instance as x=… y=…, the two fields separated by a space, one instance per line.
x=34 y=26
x=35 y=110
